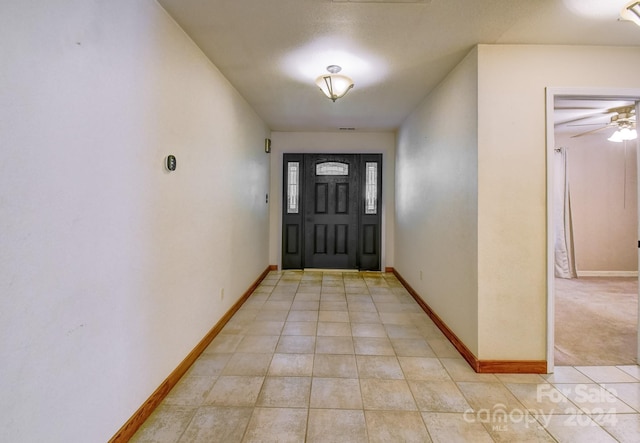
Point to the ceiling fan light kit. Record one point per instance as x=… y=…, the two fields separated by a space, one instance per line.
x=623 y=134
x=631 y=12
x=334 y=85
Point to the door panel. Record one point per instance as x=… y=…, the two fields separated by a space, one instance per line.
x=331 y=212
x=331 y=216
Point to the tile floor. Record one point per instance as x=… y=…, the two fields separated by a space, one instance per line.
x=350 y=357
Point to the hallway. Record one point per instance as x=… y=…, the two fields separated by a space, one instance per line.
x=351 y=357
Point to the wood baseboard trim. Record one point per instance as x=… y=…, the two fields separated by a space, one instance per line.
x=479 y=366
x=389 y=269
x=125 y=433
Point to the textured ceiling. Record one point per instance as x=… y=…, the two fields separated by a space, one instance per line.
x=396 y=51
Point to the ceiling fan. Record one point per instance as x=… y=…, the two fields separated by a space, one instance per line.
x=623 y=118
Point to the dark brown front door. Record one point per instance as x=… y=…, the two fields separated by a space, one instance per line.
x=331 y=211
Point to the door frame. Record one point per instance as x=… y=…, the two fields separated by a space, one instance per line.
x=362 y=219
x=551 y=93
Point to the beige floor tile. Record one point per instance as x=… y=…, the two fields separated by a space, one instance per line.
x=305 y=306
x=449 y=427
x=258 y=344
x=358 y=298
x=577 y=428
x=272 y=315
x=459 y=370
x=443 y=347
x=285 y=392
x=282 y=425
x=523 y=429
x=361 y=307
x=247 y=364
x=277 y=305
x=329 y=329
x=401 y=331
x=335 y=393
x=397 y=319
x=593 y=397
x=566 y=374
x=209 y=364
x=364 y=317
x=632 y=370
x=627 y=392
x=334 y=345
x=235 y=391
x=191 y=390
x=304 y=296
x=521 y=378
x=356 y=290
x=224 y=344
x=333 y=316
x=333 y=305
x=606 y=374
x=265 y=328
x=438 y=396
x=543 y=398
x=296 y=344
x=378 y=366
x=291 y=365
x=212 y=423
x=623 y=427
x=387 y=395
x=396 y=426
x=423 y=368
x=300 y=328
x=328 y=365
x=368 y=330
x=166 y=424
x=303 y=316
x=489 y=396
x=336 y=426
x=412 y=347
x=373 y=346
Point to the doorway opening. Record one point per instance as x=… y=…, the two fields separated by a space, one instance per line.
x=331 y=216
x=592 y=229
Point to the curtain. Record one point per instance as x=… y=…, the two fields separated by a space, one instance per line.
x=564 y=254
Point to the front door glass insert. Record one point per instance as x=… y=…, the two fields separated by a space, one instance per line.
x=332 y=168
x=293 y=187
x=371 y=188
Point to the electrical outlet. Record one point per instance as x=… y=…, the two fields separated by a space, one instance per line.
x=222 y=294
x=420 y=275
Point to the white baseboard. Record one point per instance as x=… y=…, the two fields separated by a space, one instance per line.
x=607 y=273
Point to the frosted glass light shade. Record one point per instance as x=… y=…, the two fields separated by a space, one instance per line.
x=623 y=134
x=334 y=86
x=631 y=12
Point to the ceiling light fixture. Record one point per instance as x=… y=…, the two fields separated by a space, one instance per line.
x=631 y=12
x=334 y=85
x=626 y=132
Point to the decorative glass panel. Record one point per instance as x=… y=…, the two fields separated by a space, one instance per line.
x=371 y=188
x=332 y=168
x=293 y=187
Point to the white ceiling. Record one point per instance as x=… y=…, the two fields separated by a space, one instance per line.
x=396 y=51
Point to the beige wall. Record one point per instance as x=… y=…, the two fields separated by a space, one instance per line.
x=512 y=181
x=111 y=267
x=603 y=181
x=331 y=142
x=471 y=176
x=436 y=201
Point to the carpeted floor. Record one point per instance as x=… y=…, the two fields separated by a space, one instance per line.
x=596 y=321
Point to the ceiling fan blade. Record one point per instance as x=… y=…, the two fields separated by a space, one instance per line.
x=591 y=132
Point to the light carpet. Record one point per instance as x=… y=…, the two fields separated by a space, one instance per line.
x=596 y=321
